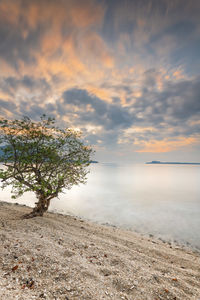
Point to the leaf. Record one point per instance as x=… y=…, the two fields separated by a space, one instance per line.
x=28 y=268
x=31 y=284
x=15 y=268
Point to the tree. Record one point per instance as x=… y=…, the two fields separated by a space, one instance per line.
x=39 y=157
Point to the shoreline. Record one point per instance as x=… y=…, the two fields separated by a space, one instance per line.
x=65 y=257
x=174 y=243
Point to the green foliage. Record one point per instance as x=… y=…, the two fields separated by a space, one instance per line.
x=39 y=157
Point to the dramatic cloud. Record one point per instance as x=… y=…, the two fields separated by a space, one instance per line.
x=125 y=72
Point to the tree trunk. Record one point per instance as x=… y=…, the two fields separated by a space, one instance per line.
x=41 y=207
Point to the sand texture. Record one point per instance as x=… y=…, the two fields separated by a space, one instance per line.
x=63 y=257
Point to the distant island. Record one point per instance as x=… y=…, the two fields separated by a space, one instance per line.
x=171 y=163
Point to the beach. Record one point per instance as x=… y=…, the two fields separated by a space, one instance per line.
x=64 y=257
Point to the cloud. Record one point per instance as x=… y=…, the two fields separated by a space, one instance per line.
x=167 y=145
x=9 y=106
x=96 y=49
x=153 y=117
x=125 y=72
x=36 y=30
x=26 y=87
x=109 y=115
x=177 y=101
x=30 y=14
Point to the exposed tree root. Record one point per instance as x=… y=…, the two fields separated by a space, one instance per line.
x=32 y=214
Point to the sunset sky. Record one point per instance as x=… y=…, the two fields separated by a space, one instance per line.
x=125 y=72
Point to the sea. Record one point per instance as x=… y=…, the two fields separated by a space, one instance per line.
x=162 y=201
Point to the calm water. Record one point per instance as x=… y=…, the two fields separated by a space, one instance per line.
x=163 y=200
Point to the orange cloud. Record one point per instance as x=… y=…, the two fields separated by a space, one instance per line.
x=179 y=74
x=103 y=94
x=6 y=69
x=10 y=11
x=61 y=57
x=95 y=47
x=60 y=67
x=79 y=13
x=193 y=123
x=167 y=145
x=65 y=27
x=86 y=13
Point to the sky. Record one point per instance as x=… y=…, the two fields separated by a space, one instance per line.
x=124 y=72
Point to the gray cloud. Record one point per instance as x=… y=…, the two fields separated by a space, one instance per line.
x=176 y=107
x=11 y=84
x=14 y=47
x=10 y=106
x=170 y=111
x=111 y=116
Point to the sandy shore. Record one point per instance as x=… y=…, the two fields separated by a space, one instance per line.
x=62 y=257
